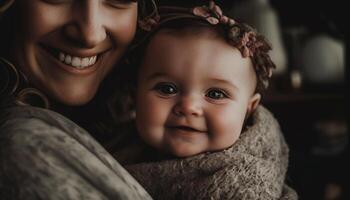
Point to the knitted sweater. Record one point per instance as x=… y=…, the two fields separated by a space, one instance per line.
x=43 y=155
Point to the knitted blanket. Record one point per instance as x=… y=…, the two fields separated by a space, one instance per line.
x=253 y=168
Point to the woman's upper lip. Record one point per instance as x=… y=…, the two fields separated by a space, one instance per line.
x=78 y=52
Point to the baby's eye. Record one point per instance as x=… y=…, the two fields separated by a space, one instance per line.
x=166 y=89
x=216 y=94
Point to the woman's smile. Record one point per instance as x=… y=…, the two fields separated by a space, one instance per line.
x=75 y=62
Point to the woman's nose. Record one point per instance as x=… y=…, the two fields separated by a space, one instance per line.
x=87 y=26
x=188 y=106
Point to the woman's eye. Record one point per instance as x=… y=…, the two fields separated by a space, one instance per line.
x=55 y=1
x=216 y=94
x=166 y=89
x=120 y=3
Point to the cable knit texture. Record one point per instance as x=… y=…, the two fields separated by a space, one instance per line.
x=43 y=155
x=253 y=168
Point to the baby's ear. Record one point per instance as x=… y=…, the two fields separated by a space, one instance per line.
x=253 y=103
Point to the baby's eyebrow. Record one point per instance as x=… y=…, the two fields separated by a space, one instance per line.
x=157 y=75
x=224 y=82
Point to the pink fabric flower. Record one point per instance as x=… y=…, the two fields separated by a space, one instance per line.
x=213 y=14
x=201 y=11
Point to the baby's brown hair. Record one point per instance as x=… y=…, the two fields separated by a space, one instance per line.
x=197 y=20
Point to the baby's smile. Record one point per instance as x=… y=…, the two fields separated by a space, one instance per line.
x=184 y=128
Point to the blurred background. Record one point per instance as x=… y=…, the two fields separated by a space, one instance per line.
x=308 y=91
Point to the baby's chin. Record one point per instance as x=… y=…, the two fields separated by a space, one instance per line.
x=184 y=152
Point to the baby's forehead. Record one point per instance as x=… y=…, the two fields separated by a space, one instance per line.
x=205 y=37
x=194 y=32
x=210 y=56
x=202 y=47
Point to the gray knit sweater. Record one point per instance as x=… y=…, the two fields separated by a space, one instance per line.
x=43 y=155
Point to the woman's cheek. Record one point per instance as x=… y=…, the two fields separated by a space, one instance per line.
x=123 y=29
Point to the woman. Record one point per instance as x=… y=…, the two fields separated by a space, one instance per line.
x=60 y=51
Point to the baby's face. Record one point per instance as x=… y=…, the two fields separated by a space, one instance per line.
x=193 y=94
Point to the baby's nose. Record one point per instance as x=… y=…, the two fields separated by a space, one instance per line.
x=188 y=106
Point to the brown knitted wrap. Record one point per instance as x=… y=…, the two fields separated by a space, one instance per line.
x=253 y=168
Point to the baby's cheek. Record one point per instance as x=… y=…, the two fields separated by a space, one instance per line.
x=157 y=110
x=149 y=124
x=222 y=119
x=151 y=114
x=225 y=127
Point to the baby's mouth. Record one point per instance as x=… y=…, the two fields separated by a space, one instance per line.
x=185 y=128
x=72 y=60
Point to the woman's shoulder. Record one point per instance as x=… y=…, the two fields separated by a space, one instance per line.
x=44 y=155
x=31 y=142
x=34 y=116
x=31 y=127
x=33 y=120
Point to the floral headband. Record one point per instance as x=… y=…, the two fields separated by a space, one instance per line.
x=240 y=35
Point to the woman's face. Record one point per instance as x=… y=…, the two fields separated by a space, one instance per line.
x=67 y=47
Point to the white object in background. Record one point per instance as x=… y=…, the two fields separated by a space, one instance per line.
x=322 y=60
x=296 y=79
x=260 y=15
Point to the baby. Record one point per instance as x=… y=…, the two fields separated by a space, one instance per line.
x=200 y=80
x=194 y=92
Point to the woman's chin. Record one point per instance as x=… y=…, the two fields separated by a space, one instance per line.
x=74 y=98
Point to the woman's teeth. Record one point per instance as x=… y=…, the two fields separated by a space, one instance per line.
x=77 y=62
